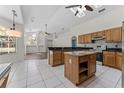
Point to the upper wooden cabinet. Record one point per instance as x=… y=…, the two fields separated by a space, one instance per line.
x=80 y=39
x=98 y=34
x=87 y=38
x=84 y=39
x=108 y=36
x=114 y=35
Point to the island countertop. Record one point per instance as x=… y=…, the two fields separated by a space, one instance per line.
x=80 y=53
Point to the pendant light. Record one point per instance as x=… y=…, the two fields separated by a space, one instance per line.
x=12 y=32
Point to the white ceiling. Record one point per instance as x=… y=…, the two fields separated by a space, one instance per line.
x=6 y=12
x=56 y=16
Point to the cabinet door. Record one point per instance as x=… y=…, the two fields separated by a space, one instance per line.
x=94 y=34
x=109 y=58
x=116 y=34
x=88 y=38
x=108 y=35
x=80 y=39
x=101 y=33
x=119 y=61
x=83 y=39
x=92 y=65
x=66 y=65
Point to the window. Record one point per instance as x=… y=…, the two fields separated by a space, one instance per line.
x=31 y=39
x=7 y=45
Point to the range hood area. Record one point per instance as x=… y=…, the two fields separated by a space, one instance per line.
x=97 y=38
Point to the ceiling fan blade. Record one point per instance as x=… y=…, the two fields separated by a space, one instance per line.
x=72 y=6
x=76 y=13
x=88 y=8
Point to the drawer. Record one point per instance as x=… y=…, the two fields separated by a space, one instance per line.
x=84 y=58
x=93 y=56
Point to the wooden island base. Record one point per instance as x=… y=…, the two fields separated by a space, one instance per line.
x=79 y=66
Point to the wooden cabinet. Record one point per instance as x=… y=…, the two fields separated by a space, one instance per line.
x=56 y=57
x=82 y=39
x=87 y=38
x=94 y=34
x=113 y=59
x=71 y=68
x=92 y=65
x=109 y=58
x=101 y=33
x=79 y=68
x=98 y=34
x=108 y=36
x=114 y=35
x=119 y=60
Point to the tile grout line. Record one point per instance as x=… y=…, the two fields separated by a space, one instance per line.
x=12 y=77
x=42 y=77
x=27 y=77
x=117 y=82
x=96 y=78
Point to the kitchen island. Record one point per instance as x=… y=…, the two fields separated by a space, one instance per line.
x=56 y=54
x=79 y=66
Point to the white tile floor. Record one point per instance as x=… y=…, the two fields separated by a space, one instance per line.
x=38 y=74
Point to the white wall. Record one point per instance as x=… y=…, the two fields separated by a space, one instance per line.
x=19 y=55
x=108 y=20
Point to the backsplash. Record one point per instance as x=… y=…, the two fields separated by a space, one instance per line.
x=102 y=43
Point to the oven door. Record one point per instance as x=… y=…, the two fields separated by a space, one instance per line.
x=99 y=57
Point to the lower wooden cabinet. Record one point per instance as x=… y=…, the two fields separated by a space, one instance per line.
x=119 y=61
x=92 y=65
x=56 y=57
x=113 y=59
x=109 y=58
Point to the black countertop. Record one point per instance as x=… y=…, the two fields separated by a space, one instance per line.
x=69 y=48
x=114 y=49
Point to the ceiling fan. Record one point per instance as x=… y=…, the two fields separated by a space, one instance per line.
x=87 y=7
x=46 y=30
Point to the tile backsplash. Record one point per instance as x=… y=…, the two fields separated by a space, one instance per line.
x=102 y=43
